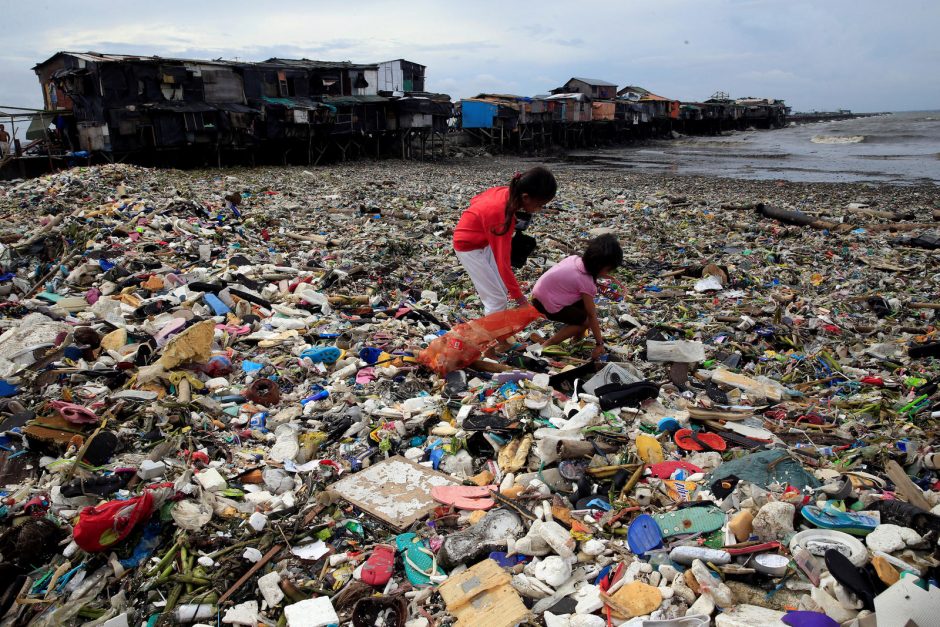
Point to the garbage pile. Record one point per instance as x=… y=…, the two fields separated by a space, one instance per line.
x=213 y=412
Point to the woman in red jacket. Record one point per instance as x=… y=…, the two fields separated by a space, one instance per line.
x=483 y=236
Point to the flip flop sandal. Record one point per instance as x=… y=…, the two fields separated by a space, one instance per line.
x=649 y=449
x=322 y=354
x=689 y=440
x=420 y=563
x=75 y=414
x=804 y=618
x=690 y=520
x=664 y=470
x=630 y=395
x=470 y=497
x=644 y=535
x=379 y=567
x=852 y=577
x=856 y=523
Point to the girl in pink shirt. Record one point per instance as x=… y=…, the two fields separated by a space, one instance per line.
x=565 y=293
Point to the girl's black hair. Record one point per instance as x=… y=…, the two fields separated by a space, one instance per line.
x=539 y=183
x=602 y=252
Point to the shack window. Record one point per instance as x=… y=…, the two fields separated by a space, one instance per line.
x=361 y=82
x=282 y=86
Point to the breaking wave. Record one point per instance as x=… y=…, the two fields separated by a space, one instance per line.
x=837 y=139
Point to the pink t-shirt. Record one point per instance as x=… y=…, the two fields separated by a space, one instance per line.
x=564 y=284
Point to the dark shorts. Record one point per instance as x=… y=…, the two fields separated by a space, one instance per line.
x=573 y=314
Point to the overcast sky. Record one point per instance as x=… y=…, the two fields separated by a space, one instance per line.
x=865 y=55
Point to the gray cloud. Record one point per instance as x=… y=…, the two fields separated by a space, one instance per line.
x=838 y=53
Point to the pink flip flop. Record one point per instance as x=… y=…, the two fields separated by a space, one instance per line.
x=378 y=568
x=465 y=496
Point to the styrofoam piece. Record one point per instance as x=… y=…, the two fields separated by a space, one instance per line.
x=242 y=614
x=745 y=615
x=150 y=470
x=905 y=603
x=211 y=480
x=316 y=612
x=257 y=521
x=270 y=588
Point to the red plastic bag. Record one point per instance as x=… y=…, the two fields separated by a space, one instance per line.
x=464 y=344
x=105 y=525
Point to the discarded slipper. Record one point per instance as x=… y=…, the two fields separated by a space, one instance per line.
x=378 y=568
x=855 y=579
x=690 y=520
x=74 y=413
x=649 y=449
x=420 y=563
x=664 y=470
x=856 y=523
x=689 y=440
x=470 y=497
x=801 y=618
x=644 y=535
x=322 y=354
x=616 y=395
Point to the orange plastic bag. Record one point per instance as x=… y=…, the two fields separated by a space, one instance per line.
x=466 y=342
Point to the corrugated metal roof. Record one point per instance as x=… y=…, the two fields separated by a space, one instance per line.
x=352 y=100
x=297 y=102
x=99 y=57
x=312 y=64
x=592 y=81
x=575 y=96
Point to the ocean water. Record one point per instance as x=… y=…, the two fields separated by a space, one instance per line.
x=895 y=149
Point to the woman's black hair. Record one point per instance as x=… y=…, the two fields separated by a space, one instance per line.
x=539 y=183
x=602 y=252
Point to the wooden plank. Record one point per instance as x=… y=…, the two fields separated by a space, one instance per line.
x=907 y=488
x=396 y=491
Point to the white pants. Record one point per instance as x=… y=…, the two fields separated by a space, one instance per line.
x=481 y=266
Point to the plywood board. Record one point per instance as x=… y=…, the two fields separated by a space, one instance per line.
x=396 y=491
x=482 y=595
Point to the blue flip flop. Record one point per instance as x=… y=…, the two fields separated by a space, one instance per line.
x=324 y=354
x=856 y=523
x=644 y=535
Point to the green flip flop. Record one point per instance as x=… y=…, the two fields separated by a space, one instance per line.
x=420 y=563
x=690 y=520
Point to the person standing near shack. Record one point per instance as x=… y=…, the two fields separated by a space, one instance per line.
x=4 y=141
x=483 y=235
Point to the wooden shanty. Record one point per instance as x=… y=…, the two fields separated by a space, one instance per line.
x=281 y=110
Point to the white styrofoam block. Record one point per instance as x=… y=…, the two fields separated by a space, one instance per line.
x=270 y=588
x=242 y=614
x=211 y=480
x=316 y=612
x=150 y=470
x=257 y=521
